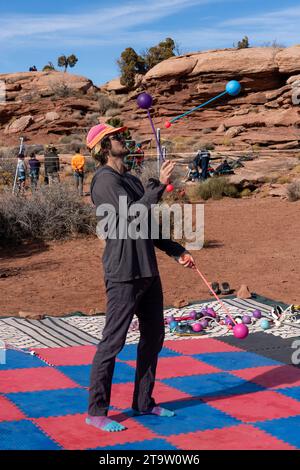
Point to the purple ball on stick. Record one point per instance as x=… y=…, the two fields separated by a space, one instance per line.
x=144 y=101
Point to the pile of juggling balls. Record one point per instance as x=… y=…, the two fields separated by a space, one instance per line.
x=204 y=320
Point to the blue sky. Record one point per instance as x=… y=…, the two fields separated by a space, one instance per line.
x=34 y=32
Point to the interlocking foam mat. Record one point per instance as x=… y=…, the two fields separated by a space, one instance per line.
x=224 y=397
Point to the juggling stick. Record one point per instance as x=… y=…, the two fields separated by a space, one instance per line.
x=215 y=295
x=144 y=101
x=155 y=135
x=233 y=88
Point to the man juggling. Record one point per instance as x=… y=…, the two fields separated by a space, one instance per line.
x=131 y=275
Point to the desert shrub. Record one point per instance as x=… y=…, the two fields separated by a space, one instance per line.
x=52 y=213
x=293 y=191
x=227 y=141
x=296 y=168
x=214 y=188
x=105 y=103
x=89 y=166
x=68 y=139
x=170 y=146
x=60 y=88
x=92 y=119
x=207 y=145
x=245 y=192
x=38 y=149
x=283 y=179
x=48 y=67
x=7 y=170
x=112 y=112
x=149 y=171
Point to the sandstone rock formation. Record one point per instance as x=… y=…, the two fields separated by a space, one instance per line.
x=263 y=115
x=44 y=106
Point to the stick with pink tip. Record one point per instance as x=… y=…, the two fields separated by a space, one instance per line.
x=215 y=295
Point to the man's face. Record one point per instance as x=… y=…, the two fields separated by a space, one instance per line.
x=118 y=145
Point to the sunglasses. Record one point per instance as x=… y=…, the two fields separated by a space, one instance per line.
x=118 y=136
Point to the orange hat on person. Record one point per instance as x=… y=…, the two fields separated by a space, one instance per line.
x=98 y=132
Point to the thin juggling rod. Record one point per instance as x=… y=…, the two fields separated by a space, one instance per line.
x=197 y=107
x=215 y=295
x=155 y=135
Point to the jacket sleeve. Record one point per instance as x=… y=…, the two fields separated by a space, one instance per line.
x=107 y=188
x=168 y=246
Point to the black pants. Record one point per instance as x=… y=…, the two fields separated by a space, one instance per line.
x=204 y=167
x=144 y=298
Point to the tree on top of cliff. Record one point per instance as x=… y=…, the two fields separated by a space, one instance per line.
x=244 y=43
x=130 y=64
x=156 y=54
x=64 y=61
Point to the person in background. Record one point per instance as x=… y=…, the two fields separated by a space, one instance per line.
x=139 y=157
x=77 y=163
x=21 y=173
x=204 y=157
x=34 y=170
x=52 y=165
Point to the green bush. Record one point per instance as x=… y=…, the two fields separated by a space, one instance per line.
x=130 y=63
x=156 y=54
x=244 y=43
x=215 y=188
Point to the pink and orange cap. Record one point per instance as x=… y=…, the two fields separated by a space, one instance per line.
x=98 y=132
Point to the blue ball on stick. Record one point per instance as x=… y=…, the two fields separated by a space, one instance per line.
x=233 y=88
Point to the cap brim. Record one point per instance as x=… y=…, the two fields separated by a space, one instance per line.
x=104 y=134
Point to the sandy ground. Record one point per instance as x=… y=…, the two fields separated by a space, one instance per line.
x=251 y=241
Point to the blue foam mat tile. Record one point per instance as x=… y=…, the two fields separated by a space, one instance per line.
x=285 y=429
x=148 y=444
x=24 y=435
x=190 y=416
x=207 y=385
x=79 y=374
x=19 y=360
x=129 y=353
x=292 y=392
x=43 y=404
x=236 y=360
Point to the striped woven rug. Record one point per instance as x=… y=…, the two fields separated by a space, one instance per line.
x=53 y=332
